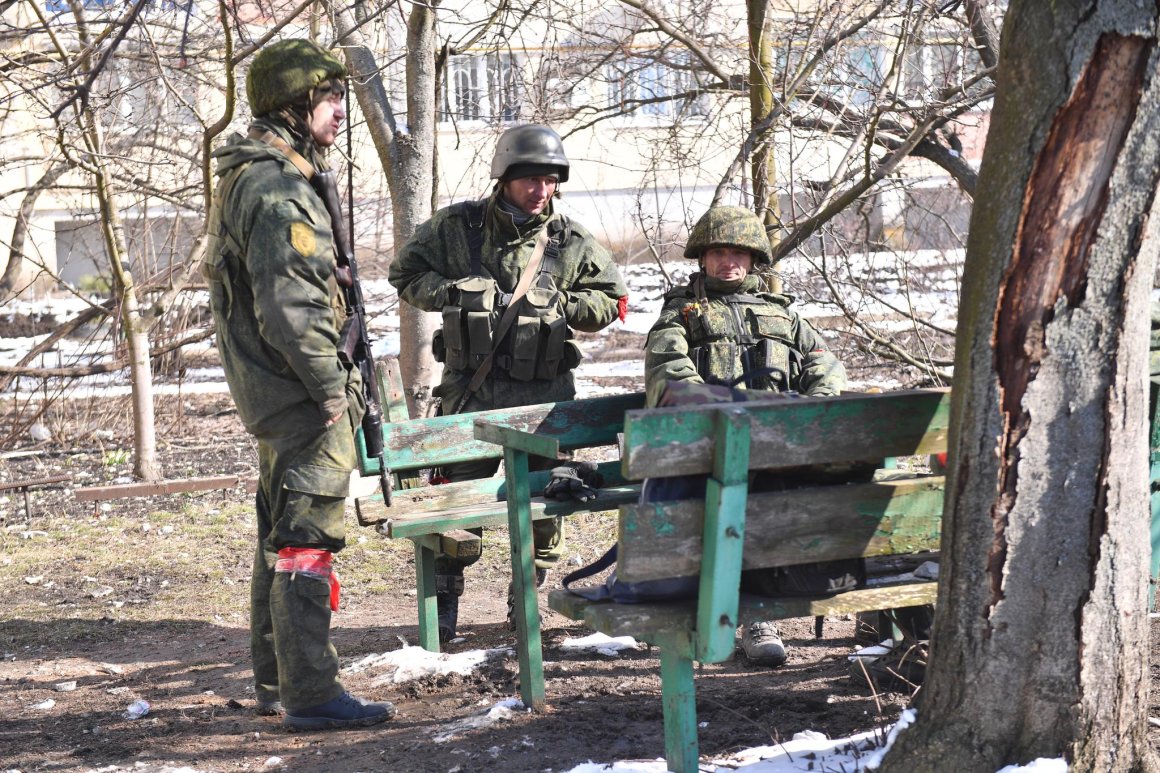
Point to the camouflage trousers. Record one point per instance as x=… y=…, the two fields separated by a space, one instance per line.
x=499 y=392
x=304 y=478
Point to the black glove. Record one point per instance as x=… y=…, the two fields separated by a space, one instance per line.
x=578 y=480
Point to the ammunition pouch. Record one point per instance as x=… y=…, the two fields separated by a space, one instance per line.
x=766 y=362
x=468 y=324
x=538 y=346
x=716 y=360
x=540 y=342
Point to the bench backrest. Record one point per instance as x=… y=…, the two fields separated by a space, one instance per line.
x=728 y=530
x=422 y=443
x=416 y=444
x=789 y=432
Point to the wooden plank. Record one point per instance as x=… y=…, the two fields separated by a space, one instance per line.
x=440 y=440
x=460 y=543
x=496 y=514
x=679 y=704
x=424 y=500
x=517 y=438
x=426 y=596
x=34 y=482
x=909 y=594
x=648 y=621
x=394 y=400
x=526 y=612
x=663 y=539
x=723 y=535
x=791 y=432
x=98 y=493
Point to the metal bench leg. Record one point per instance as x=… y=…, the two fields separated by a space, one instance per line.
x=425 y=593
x=527 y=611
x=680 y=703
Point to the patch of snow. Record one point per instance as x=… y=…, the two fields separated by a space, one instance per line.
x=809 y=751
x=500 y=712
x=600 y=643
x=409 y=663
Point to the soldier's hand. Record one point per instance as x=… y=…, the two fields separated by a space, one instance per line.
x=575 y=480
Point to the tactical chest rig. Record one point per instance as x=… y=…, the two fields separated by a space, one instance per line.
x=520 y=336
x=741 y=329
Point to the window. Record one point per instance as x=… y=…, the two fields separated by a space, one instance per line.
x=647 y=88
x=485 y=88
x=933 y=67
x=860 y=73
x=141 y=97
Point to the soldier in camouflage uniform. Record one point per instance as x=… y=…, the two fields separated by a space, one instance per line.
x=270 y=267
x=722 y=328
x=465 y=262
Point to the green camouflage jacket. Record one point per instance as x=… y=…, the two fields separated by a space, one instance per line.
x=712 y=332
x=438 y=255
x=276 y=304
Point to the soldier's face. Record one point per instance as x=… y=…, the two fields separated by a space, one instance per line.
x=327 y=115
x=531 y=194
x=729 y=264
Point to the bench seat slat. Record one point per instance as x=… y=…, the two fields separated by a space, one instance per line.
x=440 y=440
x=663 y=539
x=496 y=514
x=646 y=621
x=424 y=500
x=784 y=432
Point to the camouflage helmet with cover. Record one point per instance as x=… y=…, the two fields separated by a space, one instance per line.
x=531 y=150
x=285 y=71
x=729 y=227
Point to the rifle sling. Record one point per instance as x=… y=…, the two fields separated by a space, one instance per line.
x=342 y=273
x=274 y=141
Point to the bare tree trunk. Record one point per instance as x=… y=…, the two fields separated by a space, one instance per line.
x=412 y=192
x=761 y=74
x=1042 y=615
x=134 y=325
x=407 y=163
x=764 y=163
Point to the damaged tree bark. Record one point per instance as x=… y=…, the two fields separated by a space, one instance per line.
x=1041 y=636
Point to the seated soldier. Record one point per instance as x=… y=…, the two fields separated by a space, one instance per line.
x=722 y=327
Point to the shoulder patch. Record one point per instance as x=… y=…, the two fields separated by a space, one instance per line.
x=302 y=238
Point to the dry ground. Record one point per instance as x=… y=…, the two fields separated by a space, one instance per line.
x=147 y=598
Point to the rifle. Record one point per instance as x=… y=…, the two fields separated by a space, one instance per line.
x=354 y=345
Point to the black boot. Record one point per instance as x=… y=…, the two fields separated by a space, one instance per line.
x=448 y=589
x=448 y=606
x=541 y=576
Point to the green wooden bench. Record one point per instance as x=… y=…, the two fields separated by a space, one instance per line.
x=435 y=517
x=727 y=531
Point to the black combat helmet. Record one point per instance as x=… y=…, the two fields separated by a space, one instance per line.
x=531 y=150
x=729 y=227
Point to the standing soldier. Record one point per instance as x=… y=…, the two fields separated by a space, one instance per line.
x=278 y=310
x=473 y=262
x=721 y=328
